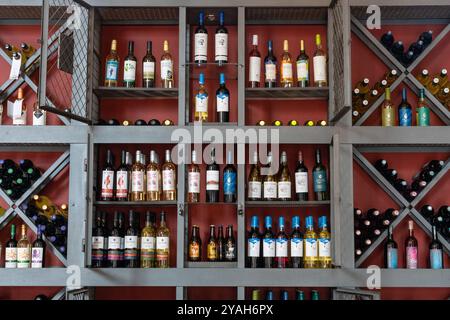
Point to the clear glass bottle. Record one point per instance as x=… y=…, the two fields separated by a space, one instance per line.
x=112 y=66
x=167 y=72
x=201 y=101
x=320 y=64
x=153 y=178
x=169 y=179
x=286 y=73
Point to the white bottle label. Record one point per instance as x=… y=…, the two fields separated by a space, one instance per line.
x=254 y=247
x=129 y=71
x=268 y=247
x=287 y=70
x=131 y=242
x=115 y=243
x=201 y=103
x=324 y=248
x=281 y=247
x=271 y=72
x=254 y=190
x=23 y=257
x=301 y=182
x=302 y=70
x=37 y=257
x=222 y=102
x=11 y=258
x=168 y=180
x=162 y=243
x=40 y=118
x=270 y=189
x=148 y=243
x=310 y=247
x=296 y=247
x=121 y=184
x=166 y=70
x=98 y=242
x=320 y=68
x=137 y=181
x=148 y=70
x=194 y=182
x=284 y=189
x=221 y=47
x=107 y=183
x=212 y=180
x=153 y=180
x=255 y=69
x=201 y=46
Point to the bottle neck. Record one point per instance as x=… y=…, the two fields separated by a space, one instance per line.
x=230 y=232
x=212 y=232
x=149 y=48
x=318 y=160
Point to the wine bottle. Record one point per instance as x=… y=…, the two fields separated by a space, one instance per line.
x=270 y=185
x=443 y=78
x=268 y=244
x=167 y=74
x=21 y=119
x=401 y=185
x=284 y=295
x=169 y=179
x=270 y=67
x=10 y=49
x=424 y=77
x=98 y=243
x=301 y=179
x=129 y=67
x=427 y=211
x=412 y=250
x=293 y=123
x=138 y=179
x=269 y=295
x=148 y=68
x=404 y=111
x=154 y=122
x=381 y=165
x=220 y=244
x=112 y=66
x=284 y=179
x=310 y=250
x=211 y=250
x=193 y=180
x=39 y=115
x=324 y=248
x=116 y=242
x=201 y=101
x=436 y=253
x=107 y=192
x=387 y=40
x=23 y=250
x=254 y=244
x=153 y=178
x=281 y=246
x=363 y=87
x=167 y=122
x=122 y=178
x=320 y=64
x=302 y=67
x=296 y=244
x=27 y=50
x=443 y=95
x=277 y=123
x=426 y=37
x=222 y=101
x=221 y=41
x=195 y=245
x=148 y=243
x=408 y=57
x=387 y=110
x=286 y=73
x=320 y=179
x=212 y=179
x=422 y=110
x=131 y=242
x=113 y=122
x=434 y=85
x=38 y=250
x=397 y=49
x=201 y=41
x=390 y=251
x=418 y=185
x=417 y=47
x=230 y=245
x=254 y=180
x=11 y=250
x=254 y=64
x=229 y=180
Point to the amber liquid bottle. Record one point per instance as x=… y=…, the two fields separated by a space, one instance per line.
x=254 y=180
x=286 y=74
x=169 y=179
x=153 y=178
x=193 y=180
x=195 y=245
x=138 y=179
x=212 y=244
x=167 y=74
x=112 y=66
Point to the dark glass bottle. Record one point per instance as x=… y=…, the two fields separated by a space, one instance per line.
x=122 y=178
x=391 y=214
x=427 y=211
x=201 y=41
x=301 y=179
x=387 y=39
x=296 y=244
x=131 y=251
x=222 y=101
x=230 y=245
x=148 y=68
x=320 y=179
x=221 y=41
x=115 y=242
x=381 y=165
x=303 y=67
x=229 y=180
x=98 y=242
x=390 y=251
x=404 y=111
x=436 y=254
x=254 y=68
x=211 y=251
x=195 y=245
x=281 y=246
x=254 y=245
x=129 y=69
x=107 y=187
x=270 y=67
x=38 y=250
x=284 y=295
x=212 y=179
x=269 y=295
x=221 y=245
x=11 y=250
x=268 y=244
x=412 y=250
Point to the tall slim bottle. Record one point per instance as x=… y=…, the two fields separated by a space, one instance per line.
x=221 y=41
x=21 y=119
x=112 y=66
x=163 y=243
x=229 y=180
x=38 y=250
x=116 y=242
x=436 y=254
x=169 y=179
x=148 y=68
x=404 y=111
x=411 y=248
x=212 y=179
x=230 y=252
x=284 y=179
x=131 y=241
x=201 y=41
x=23 y=250
x=286 y=73
x=270 y=184
x=268 y=244
x=281 y=246
x=390 y=251
x=195 y=245
x=254 y=180
x=422 y=111
x=153 y=178
x=310 y=249
x=122 y=178
x=201 y=101
x=301 y=179
x=107 y=192
x=254 y=69
x=302 y=67
x=296 y=244
x=320 y=64
x=193 y=180
x=167 y=74
x=324 y=244
x=138 y=179
x=387 y=110
x=320 y=179
x=254 y=245
x=211 y=251
x=270 y=67
x=129 y=67
x=11 y=250
x=222 y=101
x=148 y=243
x=98 y=242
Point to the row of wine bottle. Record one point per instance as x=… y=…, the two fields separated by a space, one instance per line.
x=24 y=52
x=439 y=218
x=16 y=179
x=119 y=246
x=218 y=248
x=293 y=123
x=139 y=122
x=284 y=295
x=438 y=84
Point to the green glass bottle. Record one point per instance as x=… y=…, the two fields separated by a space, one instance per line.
x=422 y=111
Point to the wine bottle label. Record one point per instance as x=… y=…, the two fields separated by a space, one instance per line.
x=254 y=190
x=320 y=181
x=21 y=120
x=388 y=117
x=121 y=184
x=436 y=259
x=98 y=243
x=423 y=116
x=201 y=102
x=392 y=258
x=270 y=189
x=201 y=46
x=268 y=247
x=405 y=117
x=194 y=250
x=301 y=182
x=166 y=70
x=310 y=247
x=296 y=247
x=302 y=70
x=11 y=258
x=112 y=68
x=411 y=257
x=271 y=72
x=254 y=247
x=153 y=181
x=107 y=183
x=162 y=243
x=148 y=243
x=168 y=177
x=211 y=251
x=23 y=257
x=137 y=181
x=212 y=180
x=324 y=247
x=284 y=189
x=230 y=251
x=222 y=102
x=40 y=118
x=114 y=243
x=286 y=69
x=131 y=242
x=37 y=257
x=148 y=70
x=229 y=183
x=129 y=71
x=281 y=247
x=194 y=182
x=255 y=69
x=221 y=47
x=320 y=68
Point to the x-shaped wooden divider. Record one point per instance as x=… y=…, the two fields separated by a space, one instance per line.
x=407 y=208
x=15 y=206
x=405 y=73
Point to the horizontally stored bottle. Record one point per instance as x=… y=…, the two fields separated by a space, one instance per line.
x=302 y=67
x=324 y=248
x=99 y=248
x=422 y=111
x=148 y=243
x=284 y=179
x=153 y=178
x=201 y=40
x=138 y=179
x=131 y=241
x=270 y=186
x=212 y=179
x=195 y=245
x=221 y=41
x=301 y=179
x=11 y=250
x=404 y=111
x=254 y=244
x=254 y=69
x=268 y=244
x=116 y=242
x=169 y=179
x=38 y=250
x=201 y=101
x=23 y=250
x=211 y=250
x=230 y=252
x=163 y=243
x=112 y=66
x=310 y=250
x=320 y=179
x=270 y=67
x=434 y=85
x=122 y=178
x=167 y=74
x=411 y=248
x=296 y=244
x=229 y=180
x=286 y=72
x=193 y=180
x=129 y=67
x=222 y=101
x=281 y=246
x=320 y=64
x=436 y=253
x=254 y=180
x=148 y=68
x=387 y=110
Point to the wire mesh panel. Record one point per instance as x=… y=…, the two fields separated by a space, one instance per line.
x=63 y=80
